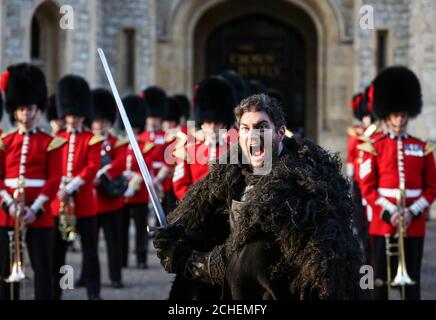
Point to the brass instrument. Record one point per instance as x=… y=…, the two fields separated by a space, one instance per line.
x=16 y=240
x=67 y=218
x=402 y=278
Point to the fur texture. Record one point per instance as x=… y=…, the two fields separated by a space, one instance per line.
x=302 y=208
x=214 y=100
x=157 y=101
x=26 y=85
x=136 y=111
x=73 y=97
x=104 y=104
x=51 y=113
x=184 y=105
x=397 y=89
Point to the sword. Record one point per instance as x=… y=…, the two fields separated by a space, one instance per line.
x=138 y=155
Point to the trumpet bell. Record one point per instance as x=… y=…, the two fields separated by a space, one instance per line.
x=17 y=274
x=402 y=278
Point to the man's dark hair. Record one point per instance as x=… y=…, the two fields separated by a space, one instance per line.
x=262 y=102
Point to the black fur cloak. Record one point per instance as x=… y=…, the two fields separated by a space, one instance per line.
x=300 y=213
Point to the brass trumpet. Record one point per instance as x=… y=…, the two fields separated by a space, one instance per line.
x=402 y=278
x=67 y=218
x=16 y=240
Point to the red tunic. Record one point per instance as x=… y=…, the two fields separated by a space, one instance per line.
x=154 y=152
x=116 y=149
x=386 y=162
x=193 y=163
x=42 y=172
x=131 y=168
x=86 y=163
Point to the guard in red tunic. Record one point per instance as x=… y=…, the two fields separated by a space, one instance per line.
x=136 y=195
x=156 y=144
x=393 y=161
x=214 y=101
x=29 y=159
x=81 y=161
x=110 y=182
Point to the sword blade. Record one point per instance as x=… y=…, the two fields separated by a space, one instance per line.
x=138 y=155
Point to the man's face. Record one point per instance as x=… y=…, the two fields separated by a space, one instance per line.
x=253 y=130
x=397 y=122
x=26 y=115
x=101 y=126
x=74 y=122
x=153 y=124
x=366 y=120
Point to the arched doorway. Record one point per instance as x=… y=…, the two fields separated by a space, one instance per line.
x=262 y=48
x=44 y=41
x=275 y=43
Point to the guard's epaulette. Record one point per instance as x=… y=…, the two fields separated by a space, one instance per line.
x=96 y=139
x=2 y=145
x=121 y=142
x=56 y=143
x=429 y=147
x=5 y=134
x=147 y=147
x=354 y=132
x=367 y=147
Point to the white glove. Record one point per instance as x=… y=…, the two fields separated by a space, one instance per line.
x=130 y=192
x=29 y=216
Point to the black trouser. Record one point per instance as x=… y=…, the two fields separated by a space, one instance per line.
x=413 y=247
x=111 y=224
x=139 y=212
x=38 y=242
x=361 y=224
x=87 y=229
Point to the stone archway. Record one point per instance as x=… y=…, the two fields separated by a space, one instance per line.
x=280 y=32
x=44 y=46
x=176 y=65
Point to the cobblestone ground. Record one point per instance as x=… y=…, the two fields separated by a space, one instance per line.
x=153 y=283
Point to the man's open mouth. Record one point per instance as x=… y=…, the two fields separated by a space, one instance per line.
x=257 y=151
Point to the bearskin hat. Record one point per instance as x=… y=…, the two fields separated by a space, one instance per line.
x=214 y=101
x=242 y=90
x=52 y=113
x=184 y=105
x=73 y=97
x=156 y=100
x=24 y=84
x=105 y=106
x=172 y=111
x=136 y=110
x=397 y=89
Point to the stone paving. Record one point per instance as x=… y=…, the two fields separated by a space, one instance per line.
x=154 y=283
